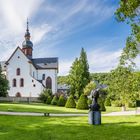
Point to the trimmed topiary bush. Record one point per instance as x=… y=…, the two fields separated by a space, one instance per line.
x=107 y=102
x=54 y=100
x=82 y=102
x=70 y=102
x=61 y=101
x=49 y=99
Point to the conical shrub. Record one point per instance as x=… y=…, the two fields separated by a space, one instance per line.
x=70 y=102
x=54 y=100
x=49 y=99
x=82 y=102
x=61 y=101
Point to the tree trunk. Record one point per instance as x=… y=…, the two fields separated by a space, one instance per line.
x=123 y=108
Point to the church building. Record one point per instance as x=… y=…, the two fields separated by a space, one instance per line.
x=29 y=76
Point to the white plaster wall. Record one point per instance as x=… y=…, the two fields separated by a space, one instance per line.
x=52 y=73
x=25 y=68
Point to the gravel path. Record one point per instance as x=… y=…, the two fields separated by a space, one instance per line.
x=124 y=113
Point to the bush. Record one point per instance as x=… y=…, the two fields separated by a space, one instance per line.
x=82 y=102
x=131 y=104
x=107 y=102
x=116 y=103
x=49 y=99
x=44 y=95
x=70 y=102
x=54 y=100
x=61 y=101
x=89 y=101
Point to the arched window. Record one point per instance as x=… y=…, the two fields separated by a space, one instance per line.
x=49 y=83
x=18 y=71
x=18 y=94
x=33 y=74
x=43 y=77
x=14 y=83
x=21 y=82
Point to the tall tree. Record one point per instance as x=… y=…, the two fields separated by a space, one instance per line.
x=129 y=12
x=79 y=74
x=85 y=75
x=123 y=85
x=3 y=84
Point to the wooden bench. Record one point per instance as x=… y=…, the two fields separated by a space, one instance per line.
x=46 y=114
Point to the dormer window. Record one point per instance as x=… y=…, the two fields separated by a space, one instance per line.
x=18 y=71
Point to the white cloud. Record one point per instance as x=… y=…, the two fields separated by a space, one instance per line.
x=102 y=60
x=64 y=66
x=13 y=23
x=14 y=13
x=99 y=61
x=39 y=32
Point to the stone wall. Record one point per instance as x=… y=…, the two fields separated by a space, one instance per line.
x=19 y=99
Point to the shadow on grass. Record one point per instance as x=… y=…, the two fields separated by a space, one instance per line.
x=69 y=128
x=119 y=123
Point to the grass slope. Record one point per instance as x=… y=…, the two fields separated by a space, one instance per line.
x=68 y=128
x=38 y=107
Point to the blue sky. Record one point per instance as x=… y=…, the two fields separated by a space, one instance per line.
x=60 y=28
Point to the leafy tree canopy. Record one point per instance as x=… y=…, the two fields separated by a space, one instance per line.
x=129 y=12
x=3 y=84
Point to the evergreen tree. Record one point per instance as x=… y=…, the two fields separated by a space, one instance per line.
x=3 y=84
x=79 y=74
x=85 y=75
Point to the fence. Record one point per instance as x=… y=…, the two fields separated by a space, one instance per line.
x=19 y=99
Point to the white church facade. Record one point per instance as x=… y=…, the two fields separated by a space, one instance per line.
x=29 y=76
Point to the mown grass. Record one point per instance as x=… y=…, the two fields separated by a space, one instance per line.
x=68 y=128
x=38 y=107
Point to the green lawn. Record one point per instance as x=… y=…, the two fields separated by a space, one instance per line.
x=38 y=108
x=46 y=108
x=68 y=128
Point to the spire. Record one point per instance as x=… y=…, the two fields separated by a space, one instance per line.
x=27 y=33
x=27 y=45
x=27 y=26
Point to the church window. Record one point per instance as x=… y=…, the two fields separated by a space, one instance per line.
x=49 y=83
x=18 y=71
x=21 y=82
x=14 y=83
x=43 y=77
x=33 y=74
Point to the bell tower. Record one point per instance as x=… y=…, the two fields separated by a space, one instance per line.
x=27 y=45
